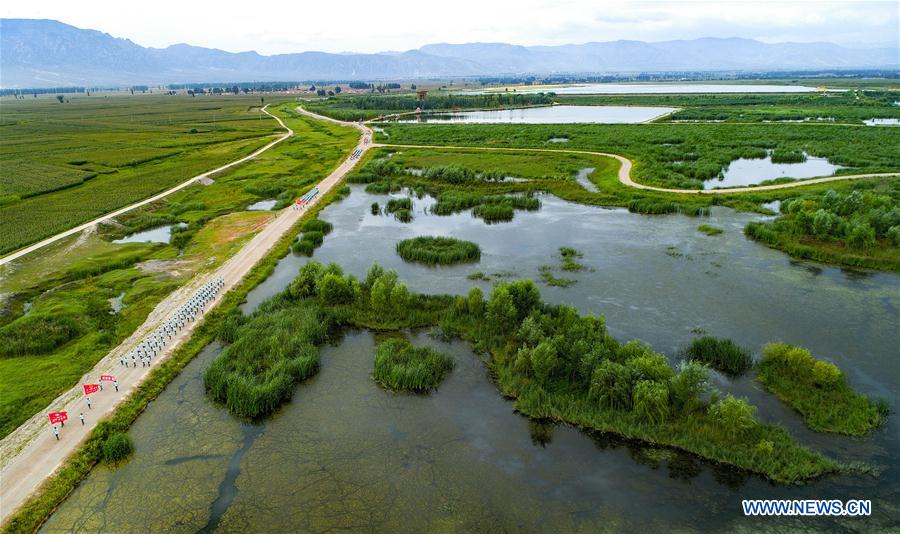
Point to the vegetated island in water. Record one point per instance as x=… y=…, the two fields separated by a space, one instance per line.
x=556 y=363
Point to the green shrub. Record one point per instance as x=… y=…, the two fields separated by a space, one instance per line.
x=38 y=334
x=117 y=447
x=722 y=354
x=303 y=247
x=432 y=250
x=402 y=367
x=314 y=236
x=318 y=225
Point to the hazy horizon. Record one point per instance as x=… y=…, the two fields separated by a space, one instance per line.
x=363 y=28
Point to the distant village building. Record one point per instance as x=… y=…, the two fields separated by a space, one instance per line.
x=420 y=95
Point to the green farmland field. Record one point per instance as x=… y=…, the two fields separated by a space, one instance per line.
x=64 y=164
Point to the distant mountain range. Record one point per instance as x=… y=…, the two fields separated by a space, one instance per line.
x=48 y=53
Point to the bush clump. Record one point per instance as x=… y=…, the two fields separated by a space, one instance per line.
x=432 y=250
x=818 y=391
x=271 y=353
x=400 y=366
x=117 y=447
x=318 y=225
x=722 y=354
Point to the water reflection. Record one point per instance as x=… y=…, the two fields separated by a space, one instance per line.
x=661 y=88
x=548 y=115
x=745 y=171
x=262 y=205
x=160 y=234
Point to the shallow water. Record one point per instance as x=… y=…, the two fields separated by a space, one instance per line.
x=346 y=454
x=262 y=205
x=117 y=303
x=651 y=88
x=160 y=234
x=582 y=177
x=547 y=115
x=882 y=122
x=745 y=171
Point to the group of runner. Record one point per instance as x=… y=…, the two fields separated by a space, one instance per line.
x=152 y=345
x=301 y=202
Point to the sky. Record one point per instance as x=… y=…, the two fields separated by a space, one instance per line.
x=276 y=26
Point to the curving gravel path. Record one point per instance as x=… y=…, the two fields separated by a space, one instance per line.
x=625 y=171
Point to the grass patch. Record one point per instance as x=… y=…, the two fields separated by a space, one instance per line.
x=39 y=506
x=271 y=353
x=709 y=230
x=432 y=250
x=569 y=259
x=818 y=391
x=117 y=447
x=402 y=367
x=550 y=279
x=722 y=354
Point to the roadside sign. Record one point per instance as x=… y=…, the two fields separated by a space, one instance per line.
x=107 y=378
x=58 y=417
x=91 y=388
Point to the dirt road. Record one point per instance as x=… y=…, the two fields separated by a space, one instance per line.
x=199 y=178
x=625 y=171
x=31 y=453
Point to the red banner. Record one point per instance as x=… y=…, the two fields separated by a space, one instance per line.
x=91 y=388
x=107 y=378
x=58 y=417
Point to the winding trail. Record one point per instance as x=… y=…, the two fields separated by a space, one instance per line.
x=625 y=171
x=199 y=178
x=31 y=454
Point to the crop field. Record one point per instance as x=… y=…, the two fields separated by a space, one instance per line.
x=68 y=285
x=97 y=154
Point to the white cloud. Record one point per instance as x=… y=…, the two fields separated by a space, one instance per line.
x=278 y=26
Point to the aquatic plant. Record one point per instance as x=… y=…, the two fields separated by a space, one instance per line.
x=318 y=225
x=432 y=250
x=722 y=354
x=271 y=353
x=401 y=366
x=709 y=230
x=818 y=391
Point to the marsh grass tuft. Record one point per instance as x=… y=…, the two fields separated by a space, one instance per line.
x=722 y=354
x=709 y=230
x=432 y=250
x=403 y=367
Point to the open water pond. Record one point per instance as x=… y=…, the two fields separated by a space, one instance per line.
x=262 y=205
x=160 y=234
x=882 y=122
x=744 y=171
x=547 y=115
x=345 y=454
x=663 y=88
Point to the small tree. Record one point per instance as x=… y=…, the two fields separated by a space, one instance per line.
x=60 y=98
x=733 y=416
x=337 y=89
x=501 y=312
x=651 y=401
x=543 y=361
